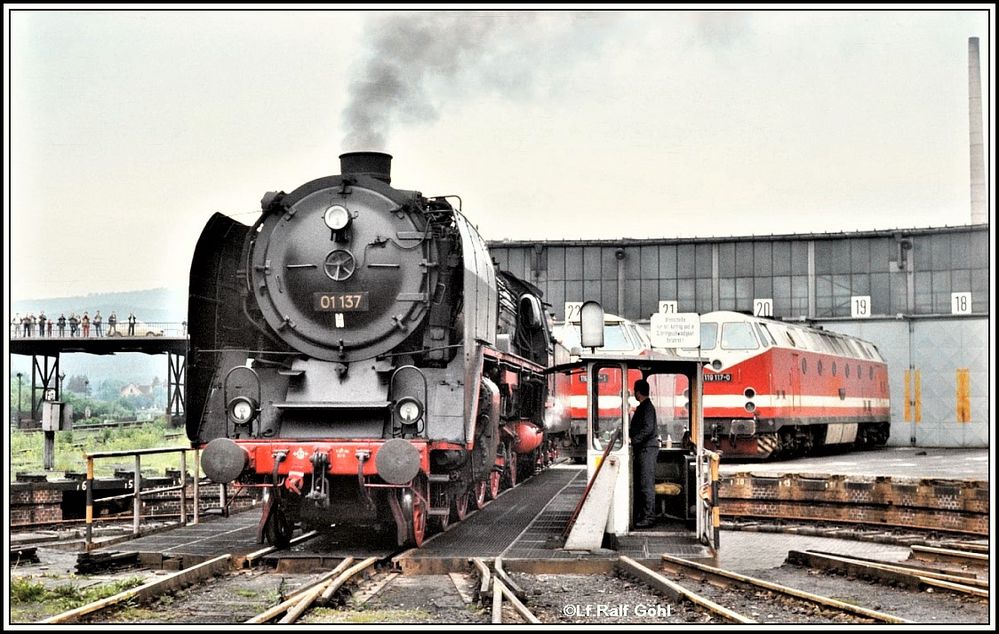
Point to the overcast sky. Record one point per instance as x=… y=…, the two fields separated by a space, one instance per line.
x=128 y=129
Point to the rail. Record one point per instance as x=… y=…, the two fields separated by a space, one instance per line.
x=137 y=492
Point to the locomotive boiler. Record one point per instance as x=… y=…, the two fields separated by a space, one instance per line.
x=357 y=354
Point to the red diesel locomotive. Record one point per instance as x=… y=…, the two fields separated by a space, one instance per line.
x=779 y=389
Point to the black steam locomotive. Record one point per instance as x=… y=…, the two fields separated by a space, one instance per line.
x=357 y=354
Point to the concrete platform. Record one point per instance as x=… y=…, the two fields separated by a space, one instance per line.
x=896 y=462
x=747 y=552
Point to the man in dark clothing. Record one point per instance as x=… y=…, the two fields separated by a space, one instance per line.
x=62 y=325
x=644 y=449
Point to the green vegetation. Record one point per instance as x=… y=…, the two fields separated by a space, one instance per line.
x=132 y=613
x=246 y=593
x=30 y=600
x=71 y=447
x=328 y=615
x=104 y=400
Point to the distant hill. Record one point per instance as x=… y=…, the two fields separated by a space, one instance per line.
x=151 y=305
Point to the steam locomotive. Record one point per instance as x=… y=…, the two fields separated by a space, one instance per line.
x=357 y=354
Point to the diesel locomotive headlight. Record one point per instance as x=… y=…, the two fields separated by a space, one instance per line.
x=337 y=217
x=409 y=410
x=242 y=410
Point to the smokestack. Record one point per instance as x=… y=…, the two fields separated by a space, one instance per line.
x=374 y=164
x=979 y=212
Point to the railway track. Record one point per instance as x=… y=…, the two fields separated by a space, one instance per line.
x=227 y=566
x=914 y=574
x=877 y=533
x=695 y=594
x=231 y=588
x=770 y=602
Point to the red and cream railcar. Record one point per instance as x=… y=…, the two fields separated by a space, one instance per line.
x=620 y=336
x=778 y=389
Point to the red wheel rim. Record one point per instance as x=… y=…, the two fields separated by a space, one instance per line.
x=480 y=494
x=441 y=522
x=494 y=484
x=419 y=518
x=461 y=506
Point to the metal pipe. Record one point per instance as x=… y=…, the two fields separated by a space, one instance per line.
x=174 y=487
x=137 y=498
x=197 y=478
x=183 y=488
x=620 y=255
x=224 y=499
x=90 y=503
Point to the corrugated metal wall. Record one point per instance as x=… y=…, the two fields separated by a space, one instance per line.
x=904 y=272
x=931 y=354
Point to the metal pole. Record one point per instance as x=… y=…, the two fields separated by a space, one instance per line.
x=197 y=477
x=224 y=499
x=90 y=503
x=136 y=500
x=19 y=399
x=183 y=490
x=49 y=450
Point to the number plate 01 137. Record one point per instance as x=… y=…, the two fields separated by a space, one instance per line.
x=340 y=302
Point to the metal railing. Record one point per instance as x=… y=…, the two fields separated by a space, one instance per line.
x=121 y=329
x=137 y=492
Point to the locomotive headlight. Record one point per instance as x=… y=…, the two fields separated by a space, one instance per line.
x=337 y=217
x=409 y=410
x=242 y=410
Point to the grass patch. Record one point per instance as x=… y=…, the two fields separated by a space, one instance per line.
x=327 y=615
x=71 y=447
x=24 y=590
x=246 y=593
x=136 y=614
x=30 y=600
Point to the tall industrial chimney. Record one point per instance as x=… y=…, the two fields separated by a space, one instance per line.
x=979 y=209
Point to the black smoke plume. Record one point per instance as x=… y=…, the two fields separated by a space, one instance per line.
x=416 y=62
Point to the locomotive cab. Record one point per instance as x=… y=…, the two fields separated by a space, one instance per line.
x=686 y=474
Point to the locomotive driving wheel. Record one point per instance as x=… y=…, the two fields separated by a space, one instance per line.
x=415 y=509
x=495 y=482
x=278 y=529
x=459 y=506
x=442 y=500
x=480 y=493
x=510 y=472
